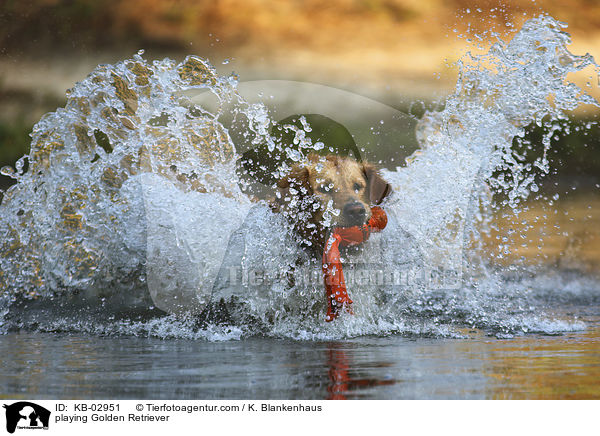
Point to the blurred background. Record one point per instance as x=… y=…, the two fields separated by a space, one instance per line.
x=398 y=52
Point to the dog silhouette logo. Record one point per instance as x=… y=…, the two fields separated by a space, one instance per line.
x=26 y=415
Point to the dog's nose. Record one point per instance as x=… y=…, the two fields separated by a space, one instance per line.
x=355 y=213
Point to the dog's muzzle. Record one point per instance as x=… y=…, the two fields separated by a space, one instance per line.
x=355 y=213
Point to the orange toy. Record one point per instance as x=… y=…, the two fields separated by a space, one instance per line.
x=333 y=275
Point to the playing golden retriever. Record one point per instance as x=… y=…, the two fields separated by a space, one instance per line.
x=328 y=203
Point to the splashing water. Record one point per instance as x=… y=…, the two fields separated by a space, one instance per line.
x=130 y=203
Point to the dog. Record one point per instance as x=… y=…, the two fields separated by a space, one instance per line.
x=316 y=196
x=326 y=192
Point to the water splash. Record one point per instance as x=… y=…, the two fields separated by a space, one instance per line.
x=497 y=95
x=75 y=219
x=119 y=207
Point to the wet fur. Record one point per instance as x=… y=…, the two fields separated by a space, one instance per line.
x=308 y=188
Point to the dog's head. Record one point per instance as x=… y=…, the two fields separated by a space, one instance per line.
x=341 y=184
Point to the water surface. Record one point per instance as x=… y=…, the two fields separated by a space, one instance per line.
x=73 y=366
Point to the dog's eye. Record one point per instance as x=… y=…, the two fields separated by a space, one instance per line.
x=358 y=187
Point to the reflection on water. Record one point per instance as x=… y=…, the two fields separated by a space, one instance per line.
x=342 y=381
x=66 y=366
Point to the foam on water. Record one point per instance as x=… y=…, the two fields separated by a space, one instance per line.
x=128 y=207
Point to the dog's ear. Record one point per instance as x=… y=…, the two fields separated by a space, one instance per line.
x=297 y=179
x=377 y=187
